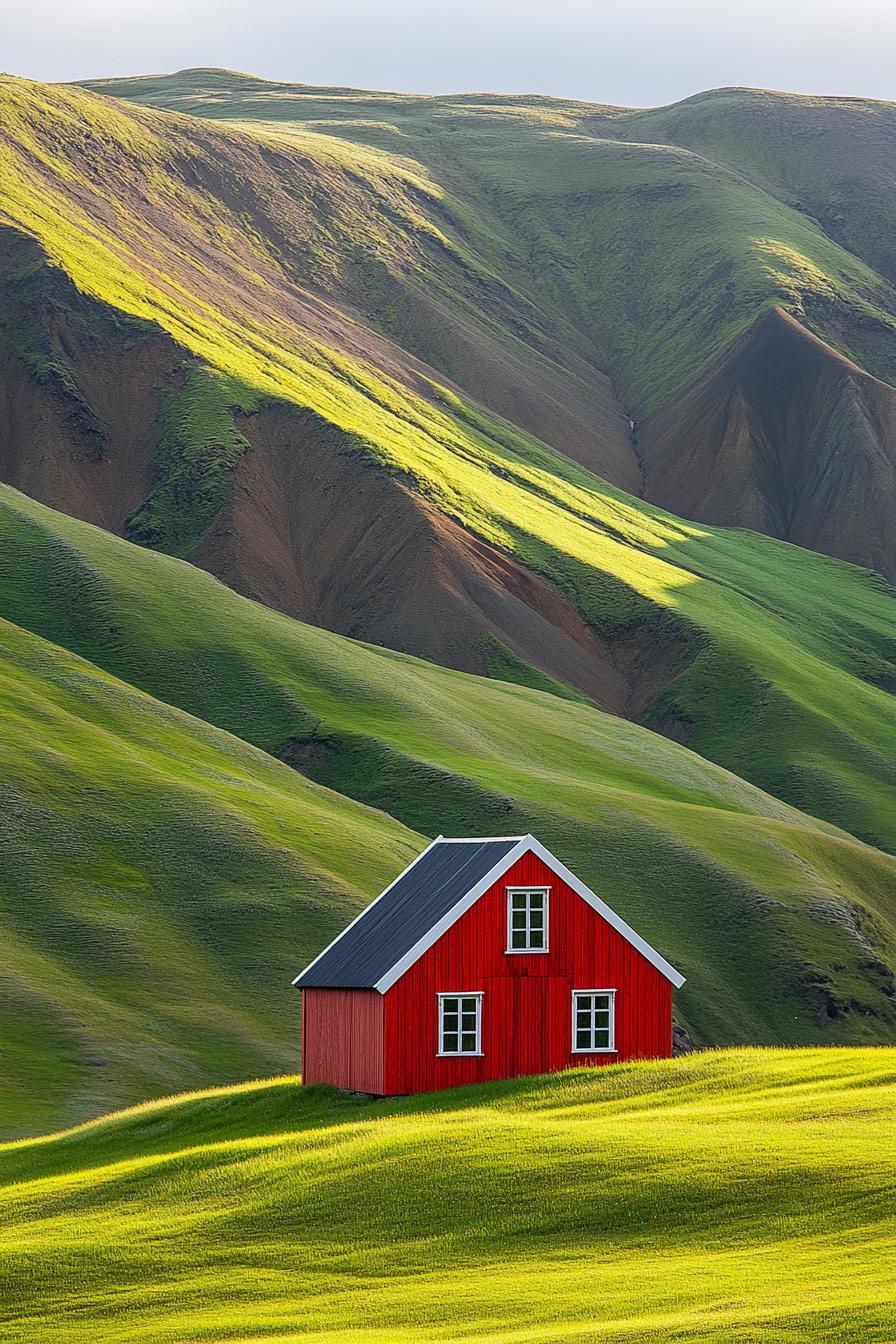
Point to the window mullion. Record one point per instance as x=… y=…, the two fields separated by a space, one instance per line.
x=522 y=926
x=460 y=1016
x=594 y=1021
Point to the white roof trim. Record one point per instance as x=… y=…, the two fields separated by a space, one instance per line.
x=384 y=892
x=616 y=921
x=453 y=915
x=526 y=843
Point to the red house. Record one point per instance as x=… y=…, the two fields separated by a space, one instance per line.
x=484 y=959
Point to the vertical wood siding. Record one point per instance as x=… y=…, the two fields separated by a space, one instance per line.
x=342 y=1038
x=527 y=997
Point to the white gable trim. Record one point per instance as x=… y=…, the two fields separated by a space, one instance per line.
x=616 y=921
x=453 y=915
x=526 y=844
x=302 y=974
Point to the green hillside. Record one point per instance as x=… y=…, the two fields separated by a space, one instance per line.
x=741 y=1196
x=160 y=883
x=173 y=910
x=661 y=234
x=750 y=632
x=830 y=158
x=527 y=248
x=430 y=318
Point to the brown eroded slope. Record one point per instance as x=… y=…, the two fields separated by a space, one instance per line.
x=81 y=388
x=311 y=526
x=320 y=532
x=784 y=435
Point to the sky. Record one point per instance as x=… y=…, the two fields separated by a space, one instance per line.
x=641 y=53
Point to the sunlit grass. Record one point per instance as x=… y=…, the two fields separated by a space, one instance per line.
x=734 y=1196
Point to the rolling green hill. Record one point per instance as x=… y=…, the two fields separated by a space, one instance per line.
x=708 y=630
x=395 y=264
x=662 y=238
x=243 y=247
x=252 y=248
x=644 y=226
x=830 y=158
x=285 y=406
x=159 y=883
x=733 y=1196
x=371 y=360
x=163 y=880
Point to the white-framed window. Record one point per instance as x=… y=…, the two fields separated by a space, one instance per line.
x=460 y=1024
x=527 y=919
x=593 y=1021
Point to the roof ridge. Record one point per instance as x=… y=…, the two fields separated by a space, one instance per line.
x=416 y=900
x=477 y=839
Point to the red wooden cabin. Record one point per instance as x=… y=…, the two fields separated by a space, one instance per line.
x=484 y=959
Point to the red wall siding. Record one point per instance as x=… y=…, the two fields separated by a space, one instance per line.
x=527 y=998
x=342 y=1038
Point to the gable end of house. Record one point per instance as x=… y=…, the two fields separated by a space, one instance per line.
x=427 y=898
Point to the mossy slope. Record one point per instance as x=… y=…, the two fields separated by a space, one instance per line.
x=235 y=241
x=159 y=882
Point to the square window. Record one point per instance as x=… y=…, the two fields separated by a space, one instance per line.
x=460 y=1024
x=593 y=1020
x=527 y=919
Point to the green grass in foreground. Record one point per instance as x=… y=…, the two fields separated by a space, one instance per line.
x=736 y=1197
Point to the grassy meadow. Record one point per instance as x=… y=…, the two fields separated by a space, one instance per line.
x=737 y=1196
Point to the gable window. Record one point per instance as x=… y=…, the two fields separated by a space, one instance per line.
x=460 y=1024
x=593 y=1021
x=527 y=919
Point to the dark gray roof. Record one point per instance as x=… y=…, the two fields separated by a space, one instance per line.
x=405 y=913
